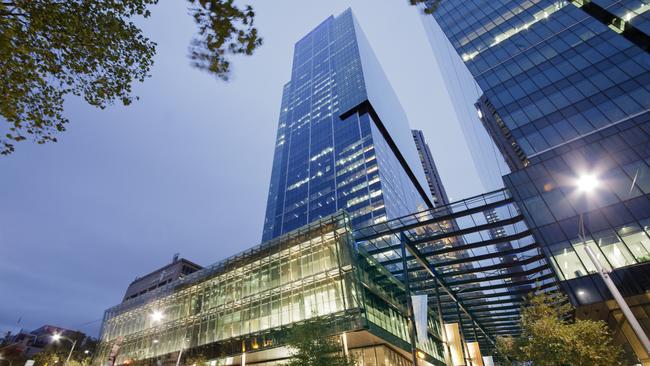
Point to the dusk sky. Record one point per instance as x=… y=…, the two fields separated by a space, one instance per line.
x=186 y=168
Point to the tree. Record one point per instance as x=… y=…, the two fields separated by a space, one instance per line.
x=196 y=360
x=55 y=353
x=549 y=339
x=50 y=49
x=314 y=347
x=12 y=356
x=431 y=5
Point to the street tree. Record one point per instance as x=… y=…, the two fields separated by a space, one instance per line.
x=551 y=338
x=11 y=356
x=313 y=346
x=197 y=359
x=55 y=353
x=52 y=49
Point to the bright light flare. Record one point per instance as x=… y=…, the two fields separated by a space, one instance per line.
x=587 y=183
x=56 y=337
x=157 y=316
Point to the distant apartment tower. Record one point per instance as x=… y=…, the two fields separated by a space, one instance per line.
x=160 y=277
x=565 y=94
x=430 y=171
x=343 y=139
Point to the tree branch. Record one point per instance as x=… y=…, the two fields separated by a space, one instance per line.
x=10 y=14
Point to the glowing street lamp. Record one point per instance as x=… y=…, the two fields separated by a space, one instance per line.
x=587 y=183
x=57 y=337
x=157 y=316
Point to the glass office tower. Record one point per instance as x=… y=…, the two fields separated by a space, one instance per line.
x=551 y=71
x=565 y=94
x=463 y=92
x=343 y=140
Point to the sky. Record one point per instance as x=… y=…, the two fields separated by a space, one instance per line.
x=186 y=168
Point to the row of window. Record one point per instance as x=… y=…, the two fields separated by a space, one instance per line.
x=628 y=245
x=617 y=185
x=295 y=207
x=285 y=270
x=312 y=300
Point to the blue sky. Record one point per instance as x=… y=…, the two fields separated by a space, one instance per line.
x=186 y=168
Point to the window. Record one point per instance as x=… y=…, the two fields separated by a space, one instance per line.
x=621 y=185
x=568 y=262
x=559 y=205
x=615 y=251
x=584 y=257
x=538 y=210
x=636 y=240
x=640 y=174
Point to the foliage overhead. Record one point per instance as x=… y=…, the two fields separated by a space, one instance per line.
x=549 y=339
x=50 y=49
x=313 y=346
x=431 y=5
x=223 y=29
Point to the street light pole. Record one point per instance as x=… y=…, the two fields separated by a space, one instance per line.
x=56 y=337
x=67 y=360
x=180 y=353
x=586 y=184
x=634 y=323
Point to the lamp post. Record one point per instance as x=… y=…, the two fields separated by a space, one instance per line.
x=180 y=353
x=586 y=184
x=57 y=337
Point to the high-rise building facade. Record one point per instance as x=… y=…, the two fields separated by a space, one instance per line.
x=566 y=95
x=438 y=192
x=551 y=71
x=463 y=92
x=615 y=217
x=343 y=140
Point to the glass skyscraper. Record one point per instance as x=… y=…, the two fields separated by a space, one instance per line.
x=438 y=191
x=566 y=93
x=463 y=92
x=551 y=71
x=343 y=140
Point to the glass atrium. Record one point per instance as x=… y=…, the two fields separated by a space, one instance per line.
x=245 y=304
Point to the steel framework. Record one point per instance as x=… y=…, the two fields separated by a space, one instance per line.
x=476 y=259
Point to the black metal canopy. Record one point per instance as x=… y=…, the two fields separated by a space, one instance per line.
x=476 y=259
